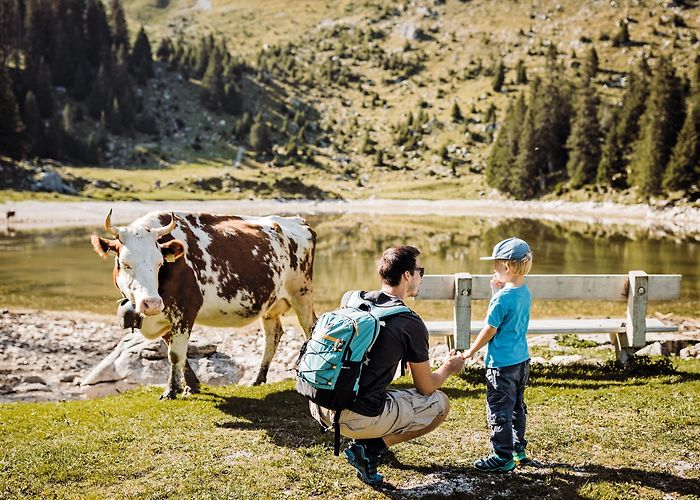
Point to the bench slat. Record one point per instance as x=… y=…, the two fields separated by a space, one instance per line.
x=558 y=287
x=554 y=326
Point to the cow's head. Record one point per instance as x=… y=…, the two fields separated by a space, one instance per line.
x=139 y=257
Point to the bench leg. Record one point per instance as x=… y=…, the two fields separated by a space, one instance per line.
x=623 y=352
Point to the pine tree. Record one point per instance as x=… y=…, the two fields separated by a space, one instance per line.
x=62 y=64
x=505 y=149
x=213 y=93
x=661 y=122
x=13 y=141
x=611 y=169
x=683 y=171
x=10 y=28
x=98 y=37
x=499 y=77
x=584 y=141
x=141 y=61
x=79 y=91
x=259 y=138
x=456 y=113
x=54 y=139
x=35 y=125
x=622 y=37
x=520 y=73
x=165 y=49
x=43 y=89
x=120 y=29
x=526 y=180
x=590 y=64
x=633 y=105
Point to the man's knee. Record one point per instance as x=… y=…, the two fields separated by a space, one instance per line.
x=445 y=404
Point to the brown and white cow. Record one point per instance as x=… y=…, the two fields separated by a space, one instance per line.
x=219 y=270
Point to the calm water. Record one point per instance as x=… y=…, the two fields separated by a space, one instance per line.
x=57 y=269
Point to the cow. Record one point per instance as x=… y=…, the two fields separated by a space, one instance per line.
x=218 y=270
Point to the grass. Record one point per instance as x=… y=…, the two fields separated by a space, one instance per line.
x=599 y=434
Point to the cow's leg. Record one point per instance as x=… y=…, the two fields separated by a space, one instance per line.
x=272 y=327
x=302 y=304
x=177 y=355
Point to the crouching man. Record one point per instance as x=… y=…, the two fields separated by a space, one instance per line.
x=380 y=418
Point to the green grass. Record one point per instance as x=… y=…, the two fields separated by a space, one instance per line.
x=601 y=434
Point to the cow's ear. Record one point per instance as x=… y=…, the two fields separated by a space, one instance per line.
x=172 y=250
x=103 y=246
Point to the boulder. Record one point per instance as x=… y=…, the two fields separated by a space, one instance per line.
x=566 y=360
x=136 y=361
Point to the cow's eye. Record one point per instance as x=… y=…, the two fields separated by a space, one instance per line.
x=126 y=266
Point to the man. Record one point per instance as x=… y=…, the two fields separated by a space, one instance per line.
x=380 y=418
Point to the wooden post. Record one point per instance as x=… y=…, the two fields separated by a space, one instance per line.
x=635 y=335
x=637 y=308
x=463 y=311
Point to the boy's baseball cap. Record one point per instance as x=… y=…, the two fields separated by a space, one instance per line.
x=510 y=249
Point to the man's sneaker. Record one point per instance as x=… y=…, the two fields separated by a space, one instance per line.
x=520 y=456
x=365 y=464
x=494 y=463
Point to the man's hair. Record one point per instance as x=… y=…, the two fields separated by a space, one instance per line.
x=395 y=261
x=519 y=267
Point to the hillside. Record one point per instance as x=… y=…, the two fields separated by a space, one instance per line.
x=370 y=98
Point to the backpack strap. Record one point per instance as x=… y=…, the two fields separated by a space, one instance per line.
x=354 y=299
x=336 y=433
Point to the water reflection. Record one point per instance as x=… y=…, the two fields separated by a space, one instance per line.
x=59 y=270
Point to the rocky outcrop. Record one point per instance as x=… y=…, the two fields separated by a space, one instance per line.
x=136 y=361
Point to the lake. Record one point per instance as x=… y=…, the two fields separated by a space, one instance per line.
x=57 y=269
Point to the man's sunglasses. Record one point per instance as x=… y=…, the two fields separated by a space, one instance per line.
x=421 y=271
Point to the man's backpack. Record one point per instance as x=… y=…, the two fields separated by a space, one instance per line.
x=330 y=362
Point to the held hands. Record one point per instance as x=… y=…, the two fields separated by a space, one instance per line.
x=454 y=362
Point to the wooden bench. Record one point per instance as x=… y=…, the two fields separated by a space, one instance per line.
x=627 y=334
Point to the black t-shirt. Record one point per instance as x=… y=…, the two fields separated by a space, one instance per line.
x=404 y=336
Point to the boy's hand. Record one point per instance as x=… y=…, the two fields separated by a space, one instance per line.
x=495 y=284
x=454 y=361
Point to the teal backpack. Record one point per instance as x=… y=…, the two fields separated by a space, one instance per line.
x=330 y=362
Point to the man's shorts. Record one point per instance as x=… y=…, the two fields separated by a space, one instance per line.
x=404 y=411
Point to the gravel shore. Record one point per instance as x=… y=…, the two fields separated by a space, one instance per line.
x=683 y=220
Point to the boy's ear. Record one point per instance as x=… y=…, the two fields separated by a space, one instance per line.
x=172 y=250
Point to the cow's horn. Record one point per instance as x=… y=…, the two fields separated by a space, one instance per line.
x=162 y=231
x=109 y=227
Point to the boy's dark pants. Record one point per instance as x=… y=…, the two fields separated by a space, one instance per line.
x=505 y=407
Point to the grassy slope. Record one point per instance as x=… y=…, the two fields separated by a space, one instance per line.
x=600 y=435
x=460 y=35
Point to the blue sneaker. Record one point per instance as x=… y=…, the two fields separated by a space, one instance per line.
x=365 y=464
x=494 y=463
x=520 y=456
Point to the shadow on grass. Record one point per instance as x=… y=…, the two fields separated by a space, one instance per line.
x=585 y=376
x=285 y=416
x=545 y=480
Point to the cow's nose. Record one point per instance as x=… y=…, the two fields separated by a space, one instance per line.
x=151 y=305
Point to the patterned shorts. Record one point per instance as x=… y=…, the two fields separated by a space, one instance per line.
x=404 y=411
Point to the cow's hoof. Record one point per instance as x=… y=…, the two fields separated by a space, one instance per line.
x=186 y=392
x=169 y=394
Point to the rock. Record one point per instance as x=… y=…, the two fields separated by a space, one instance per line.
x=655 y=349
x=136 y=361
x=566 y=360
x=32 y=388
x=538 y=360
x=34 y=379
x=692 y=351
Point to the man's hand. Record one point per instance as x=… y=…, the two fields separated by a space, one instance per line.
x=454 y=362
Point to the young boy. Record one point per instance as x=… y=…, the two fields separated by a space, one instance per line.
x=507 y=357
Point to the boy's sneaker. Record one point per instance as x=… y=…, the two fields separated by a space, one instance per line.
x=494 y=463
x=365 y=463
x=520 y=456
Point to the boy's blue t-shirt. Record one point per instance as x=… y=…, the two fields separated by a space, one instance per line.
x=509 y=313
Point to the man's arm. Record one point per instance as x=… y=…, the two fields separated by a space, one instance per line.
x=428 y=381
x=485 y=335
